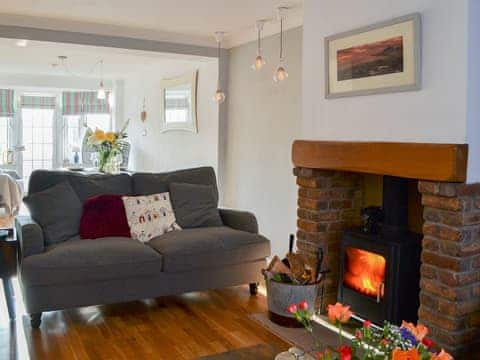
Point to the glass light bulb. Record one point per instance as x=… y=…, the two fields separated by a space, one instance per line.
x=219 y=96
x=101 y=94
x=281 y=74
x=259 y=62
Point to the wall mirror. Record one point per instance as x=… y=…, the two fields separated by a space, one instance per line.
x=179 y=103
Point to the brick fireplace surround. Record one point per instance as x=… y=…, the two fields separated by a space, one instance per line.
x=330 y=198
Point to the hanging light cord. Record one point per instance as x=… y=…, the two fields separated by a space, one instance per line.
x=259 y=40
x=87 y=74
x=219 y=44
x=281 y=38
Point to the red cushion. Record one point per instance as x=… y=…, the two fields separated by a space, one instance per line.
x=103 y=216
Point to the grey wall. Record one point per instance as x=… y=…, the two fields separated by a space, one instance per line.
x=263 y=120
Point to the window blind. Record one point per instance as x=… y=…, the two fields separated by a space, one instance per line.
x=7 y=106
x=84 y=102
x=38 y=102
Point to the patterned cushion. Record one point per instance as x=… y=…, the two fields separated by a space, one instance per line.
x=149 y=216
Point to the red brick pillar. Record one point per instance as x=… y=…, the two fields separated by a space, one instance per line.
x=328 y=202
x=450 y=271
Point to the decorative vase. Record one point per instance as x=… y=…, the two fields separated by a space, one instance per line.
x=109 y=161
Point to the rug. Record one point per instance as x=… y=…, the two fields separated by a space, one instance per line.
x=299 y=336
x=257 y=352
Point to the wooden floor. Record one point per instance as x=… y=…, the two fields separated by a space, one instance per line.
x=178 y=327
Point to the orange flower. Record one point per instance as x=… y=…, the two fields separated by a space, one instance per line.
x=419 y=331
x=339 y=312
x=442 y=355
x=99 y=135
x=110 y=136
x=411 y=354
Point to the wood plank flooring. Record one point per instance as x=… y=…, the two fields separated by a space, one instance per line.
x=177 y=327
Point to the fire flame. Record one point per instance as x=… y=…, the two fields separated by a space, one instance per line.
x=364 y=271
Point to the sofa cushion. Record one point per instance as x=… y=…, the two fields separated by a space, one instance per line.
x=149 y=183
x=85 y=185
x=103 y=216
x=209 y=247
x=195 y=205
x=57 y=210
x=80 y=261
x=149 y=216
x=101 y=184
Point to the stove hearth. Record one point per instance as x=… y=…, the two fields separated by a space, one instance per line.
x=380 y=265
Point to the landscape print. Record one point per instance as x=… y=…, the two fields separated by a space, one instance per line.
x=372 y=59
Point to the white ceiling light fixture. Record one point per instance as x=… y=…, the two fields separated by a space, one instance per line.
x=281 y=73
x=219 y=96
x=21 y=43
x=259 y=60
x=101 y=93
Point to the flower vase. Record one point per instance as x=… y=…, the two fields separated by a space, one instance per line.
x=110 y=161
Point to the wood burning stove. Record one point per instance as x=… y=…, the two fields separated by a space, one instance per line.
x=380 y=272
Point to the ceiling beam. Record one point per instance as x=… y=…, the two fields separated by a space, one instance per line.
x=81 y=38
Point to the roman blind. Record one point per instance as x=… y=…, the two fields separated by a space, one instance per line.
x=178 y=99
x=7 y=106
x=84 y=102
x=177 y=103
x=38 y=102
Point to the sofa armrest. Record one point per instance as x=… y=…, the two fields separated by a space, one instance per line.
x=239 y=220
x=29 y=235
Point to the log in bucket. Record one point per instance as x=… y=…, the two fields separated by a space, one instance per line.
x=280 y=295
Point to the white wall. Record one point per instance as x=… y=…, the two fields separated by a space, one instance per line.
x=263 y=120
x=158 y=151
x=437 y=113
x=473 y=101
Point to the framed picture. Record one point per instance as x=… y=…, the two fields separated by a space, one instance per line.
x=179 y=103
x=380 y=58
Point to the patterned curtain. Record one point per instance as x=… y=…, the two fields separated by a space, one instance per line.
x=38 y=102
x=84 y=102
x=7 y=106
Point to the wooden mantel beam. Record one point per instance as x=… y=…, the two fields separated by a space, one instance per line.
x=436 y=162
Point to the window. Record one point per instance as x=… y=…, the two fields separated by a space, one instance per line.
x=82 y=110
x=75 y=128
x=4 y=143
x=101 y=121
x=37 y=130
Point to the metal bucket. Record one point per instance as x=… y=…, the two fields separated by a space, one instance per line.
x=281 y=295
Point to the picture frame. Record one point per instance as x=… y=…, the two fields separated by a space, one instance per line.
x=380 y=58
x=179 y=103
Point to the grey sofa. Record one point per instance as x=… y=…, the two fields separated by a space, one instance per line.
x=80 y=272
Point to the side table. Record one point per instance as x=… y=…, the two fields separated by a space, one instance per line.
x=8 y=268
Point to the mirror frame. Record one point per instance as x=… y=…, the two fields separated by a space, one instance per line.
x=186 y=79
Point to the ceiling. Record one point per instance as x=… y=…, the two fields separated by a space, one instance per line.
x=38 y=58
x=189 y=21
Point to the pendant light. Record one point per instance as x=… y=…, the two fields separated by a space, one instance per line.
x=259 y=60
x=101 y=94
x=219 y=96
x=281 y=73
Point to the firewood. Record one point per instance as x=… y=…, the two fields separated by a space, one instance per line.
x=303 y=267
x=277 y=266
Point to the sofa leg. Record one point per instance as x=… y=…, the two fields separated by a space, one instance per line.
x=253 y=288
x=35 y=320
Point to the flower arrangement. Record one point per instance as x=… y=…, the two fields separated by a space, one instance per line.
x=407 y=342
x=107 y=144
